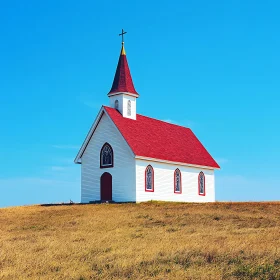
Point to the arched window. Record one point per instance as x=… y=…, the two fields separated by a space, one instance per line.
x=106 y=156
x=201 y=184
x=177 y=181
x=117 y=104
x=129 y=108
x=149 y=179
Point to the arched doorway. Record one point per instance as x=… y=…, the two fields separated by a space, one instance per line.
x=106 y=186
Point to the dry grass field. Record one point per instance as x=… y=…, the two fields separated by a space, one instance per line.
x=141 y=241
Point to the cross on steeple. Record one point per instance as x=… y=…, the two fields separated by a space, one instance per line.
x=123 y=32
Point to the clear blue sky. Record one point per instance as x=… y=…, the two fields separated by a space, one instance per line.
x=213 y=66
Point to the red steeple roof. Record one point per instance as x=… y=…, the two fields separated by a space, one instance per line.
x=123 y=81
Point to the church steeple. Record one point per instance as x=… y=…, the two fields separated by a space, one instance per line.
x=123 y=80
x=123 y=94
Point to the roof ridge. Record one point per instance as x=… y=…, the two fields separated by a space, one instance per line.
x=165 y=122
x=154 y=119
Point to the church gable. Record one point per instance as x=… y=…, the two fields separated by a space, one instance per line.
x=100 y=117
x=103 y=132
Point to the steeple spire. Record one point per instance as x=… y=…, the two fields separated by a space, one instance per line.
x=123 y=81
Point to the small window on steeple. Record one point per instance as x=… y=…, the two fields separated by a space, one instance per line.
x=129 y=108
x=117 y=104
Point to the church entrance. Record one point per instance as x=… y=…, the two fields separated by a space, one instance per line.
x=106 y=186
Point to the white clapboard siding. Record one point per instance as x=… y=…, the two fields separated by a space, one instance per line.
x=164 y=183
x=123 y=172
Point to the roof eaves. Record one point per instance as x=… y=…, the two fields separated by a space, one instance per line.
x=176 y=163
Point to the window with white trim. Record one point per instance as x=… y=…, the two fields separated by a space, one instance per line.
x=129 y=108
x=117 y=104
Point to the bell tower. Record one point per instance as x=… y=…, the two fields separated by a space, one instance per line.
x=123 y=94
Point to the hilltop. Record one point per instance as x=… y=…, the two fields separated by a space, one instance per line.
x=141 y=241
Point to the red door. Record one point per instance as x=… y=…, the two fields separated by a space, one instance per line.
x=106 y=186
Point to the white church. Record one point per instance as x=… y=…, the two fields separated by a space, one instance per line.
x=128 y=157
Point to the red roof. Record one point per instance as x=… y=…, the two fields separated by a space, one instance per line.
x=156 y=139
x=123 y=81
